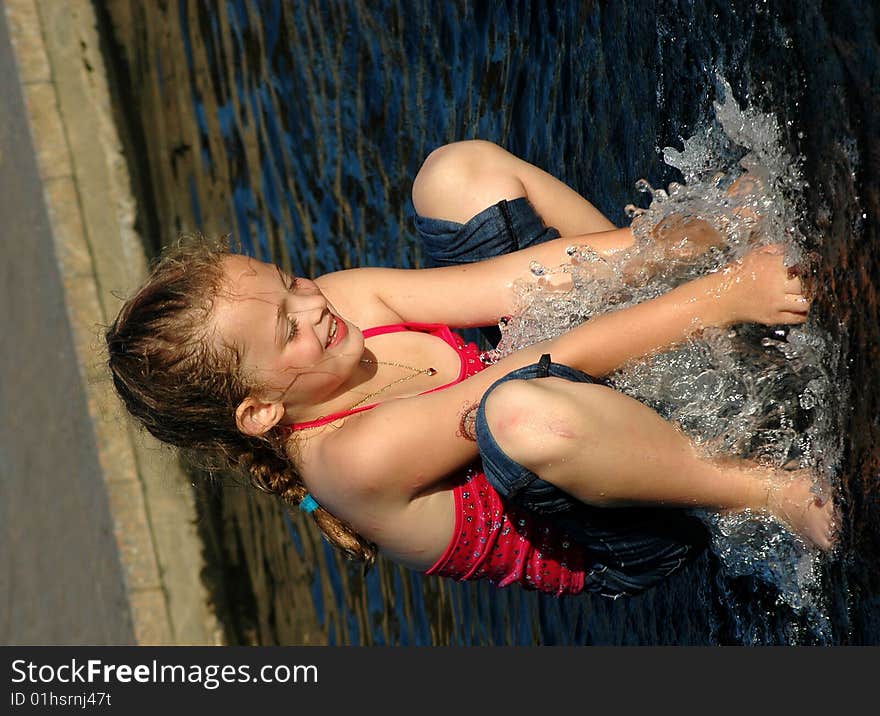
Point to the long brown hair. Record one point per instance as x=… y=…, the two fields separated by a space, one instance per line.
x=184 y=389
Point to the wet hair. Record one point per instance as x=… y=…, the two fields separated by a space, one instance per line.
x=184 y=388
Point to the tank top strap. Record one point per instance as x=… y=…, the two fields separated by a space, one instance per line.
x=407 y=326
x=318 y=422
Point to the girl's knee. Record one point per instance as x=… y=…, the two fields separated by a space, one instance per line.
x=453 y=158
x=507 y=408
x=534 y=424
x=458 y=180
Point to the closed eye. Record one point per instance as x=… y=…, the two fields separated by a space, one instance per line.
x=289 y=282
x=292 y=329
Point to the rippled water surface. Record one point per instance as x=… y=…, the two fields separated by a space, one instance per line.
x=297 y=129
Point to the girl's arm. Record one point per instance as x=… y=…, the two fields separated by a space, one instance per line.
x=414 y=442
x=480 y=293
x=475 y=294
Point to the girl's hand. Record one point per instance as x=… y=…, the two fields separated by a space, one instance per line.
x=762 y=289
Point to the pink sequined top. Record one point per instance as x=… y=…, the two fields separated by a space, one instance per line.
x=492 y=540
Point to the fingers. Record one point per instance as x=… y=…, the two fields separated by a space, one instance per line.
x=788 y=317
x=793 y=309
x=771 y=291
x=794 y=285
x=796 y=303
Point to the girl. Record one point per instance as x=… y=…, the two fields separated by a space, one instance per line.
x=349 y=396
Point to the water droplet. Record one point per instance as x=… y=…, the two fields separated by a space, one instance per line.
x=644 y=187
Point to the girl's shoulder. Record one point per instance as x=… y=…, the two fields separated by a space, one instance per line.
x=381 y=502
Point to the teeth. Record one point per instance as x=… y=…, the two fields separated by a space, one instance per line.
x=332 y=333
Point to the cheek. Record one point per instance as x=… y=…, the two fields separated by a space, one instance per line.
x=285 y=378
x=311 y=354
x=301 y=355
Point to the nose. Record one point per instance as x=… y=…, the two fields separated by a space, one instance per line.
x=311 y=302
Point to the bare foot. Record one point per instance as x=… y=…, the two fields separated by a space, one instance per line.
x=791 y=500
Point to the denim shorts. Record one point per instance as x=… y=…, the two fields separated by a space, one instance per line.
x=504 y=227
x=630 y=549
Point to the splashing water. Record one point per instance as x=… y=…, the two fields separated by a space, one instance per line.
x=766 y=393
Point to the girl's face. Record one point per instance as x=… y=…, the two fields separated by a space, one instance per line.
x=290 y=338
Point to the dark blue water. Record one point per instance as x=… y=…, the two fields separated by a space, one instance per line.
x=297 y=129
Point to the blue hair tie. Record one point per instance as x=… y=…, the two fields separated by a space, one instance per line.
x=308 y=504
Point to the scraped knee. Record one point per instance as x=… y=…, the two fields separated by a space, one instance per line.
x=532 y=424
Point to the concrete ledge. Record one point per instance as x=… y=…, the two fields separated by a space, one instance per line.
x=87 y=196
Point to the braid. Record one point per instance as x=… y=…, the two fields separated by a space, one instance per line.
x=272 y=474
x=184 y=390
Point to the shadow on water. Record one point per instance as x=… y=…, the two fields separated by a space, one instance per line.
x=297 y=128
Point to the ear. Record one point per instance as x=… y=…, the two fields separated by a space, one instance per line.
x=255 y=417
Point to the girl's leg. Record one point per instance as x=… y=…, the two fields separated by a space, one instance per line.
x=607 y=449
x=459 y=180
